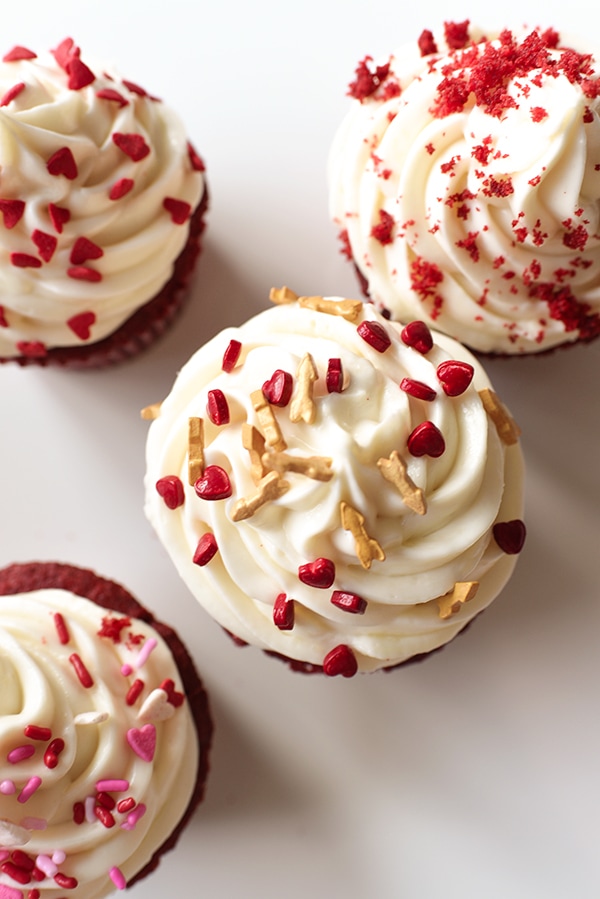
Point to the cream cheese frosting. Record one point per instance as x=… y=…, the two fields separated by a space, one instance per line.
x=97 y=184
x=92 y=778
x=339 y=493
x=465 y=181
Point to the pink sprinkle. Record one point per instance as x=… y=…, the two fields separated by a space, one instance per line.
x=7 y=787
x=35 y=732
x=45 y=864
x=112 y=786
x=31 y=823
x=61 y=628
x=133 y=145
x=117 y=878
x=59 y=216
x=12 y=211
x=108 y=93
x=179 y=210
x=11 y=93
x=4 y=854
x=83 y=273
x=58 y=856
x=85 y=678
x=134 y=816
x=145 y=651
x=17 y=53
x=90 y=805
x=143 y=741
x=29 y=789
x=120 y=188
x=24 y=260
x=20 y=753
x=134 y=691
x=10 y=892
x=46 y=244
x=126 y=670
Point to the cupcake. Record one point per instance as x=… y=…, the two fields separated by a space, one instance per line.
x=465 y=181
x=102 y=199
x=105 y=731
x=334 y=488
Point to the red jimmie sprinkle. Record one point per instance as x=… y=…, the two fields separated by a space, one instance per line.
x=24 y=260
x=231 y=355
x=195 y=160
x=418 y=389
x=171 y=489
x=418 y=336
x=45 y=243
x=126 y=805
x=20 y=875
x=455 y=376
x=205 y=550
x=104 y=816
x=34 y=894
x=214 y=484
x=349 y=602
x=106 y=800
x=283 y=612
x=35 y=732
x=426 y=440
x=510 y=535
x=84 y=249
x=79 y=74
x=179 y=210
x=134 y=691
x=17 y=53
x=65 y=882
x=340 y=661
x=320 y=573
x=22 y=860
x=217 y=407
x=61 y=628
x=108 y=93
x=375 y=335
x=81 y=324
x=12 y=93
x=63 y=163
x=278 y=389
x=12 y=211
x=120 y=188
x=78 y=812
x=334 y=379
x=85 y=678
x=53 y=750
x=59 y=216
x=133 y=145
x=84 y=273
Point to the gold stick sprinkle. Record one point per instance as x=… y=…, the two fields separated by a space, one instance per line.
x=508 y=430
x=394 y=470
x=316 y=467
x=281 y=296
x=149 y=413
x=254 y=442
x=348 y=309
x=269 y=488
x=302 y=407
x=195 y=449
x=268 y=422
x=366 y=548
x=451 y=603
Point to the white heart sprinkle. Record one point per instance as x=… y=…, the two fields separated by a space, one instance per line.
x=156 y=706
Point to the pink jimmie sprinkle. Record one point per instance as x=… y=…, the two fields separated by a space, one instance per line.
x=133 y=817
x=10 y=892
x=20 y=753
x=90 y=805
x=31 y=823
x=112 y=786
x=145 y=651
x=29 y=789
x=117 y=878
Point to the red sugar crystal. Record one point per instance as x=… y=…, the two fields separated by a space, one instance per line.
x=510 y=535
x=24 y=260
x=320 y=573
x=278 y=389
x=205 y=550
x=134 y=691
x=83 y=273
x=367 y=79
x=17 y=53
x=59 y=216
x=11 y=93
x=62 y=163
x=455 y=376
x=79 y=74
x=108 y=93
x=33 y=348
x=426 y=440
x=283 y=612
x=383 y=231
x=418 y=336
x=214 y=484
x=418 y=389
x=12 y=211
x=217 y=407
x=46 y=244
x=340 y=661
x=81 y=324
x=171 y=489
x=426 y=43
x=112 y=626
x=81 y=671
x=120 y=188
x=84 y=249
x=179 y=210
x=349 y=602
x=456 y=34
x=231 y=355
x=425 y=277
x=334 y=379
x=35 y=732
x=133 y=145
x=375 y=335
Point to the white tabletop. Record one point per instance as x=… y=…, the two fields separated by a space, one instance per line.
x=474 y=774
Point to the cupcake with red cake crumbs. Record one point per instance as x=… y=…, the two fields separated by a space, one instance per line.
x=465 y=183
x=102 y=202
x=105 y=731
x=334 y=488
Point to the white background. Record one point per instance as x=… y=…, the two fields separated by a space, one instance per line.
x=474 y=774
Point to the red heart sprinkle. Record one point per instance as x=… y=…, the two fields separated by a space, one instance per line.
x=213 y=484
x=24 y=260
x=84 y=249
x=418 y=336
x=375 y=335
x=11 y=93
x=33 y=348
x=62 y=163
x=278 y=389
x=65 y=51
x=80 y=324
x=320 y=573
x=205 y=550
x=418 y=389
x=18 y=53
x=133 y=145
x=120 y=188
x=231 y=355
x=173 y=696
x=59 y=216
x=283 y=613
x=108 y=93
x=510 y=535
x=217 y=407
x=179 y=210
x=135 y=88
x=171 y=490
x=455 y=376
x=340 y=660
x=349 y=602
x=79 y=74
x=82 y=273
x=12 y=211
x=334 y=379
x=426 y=440
x=196 y=161
x=46 y=244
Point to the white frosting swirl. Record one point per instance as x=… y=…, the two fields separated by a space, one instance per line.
x=473 y=484
x=136 y=234
x=474 y=204
x=40 y=687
